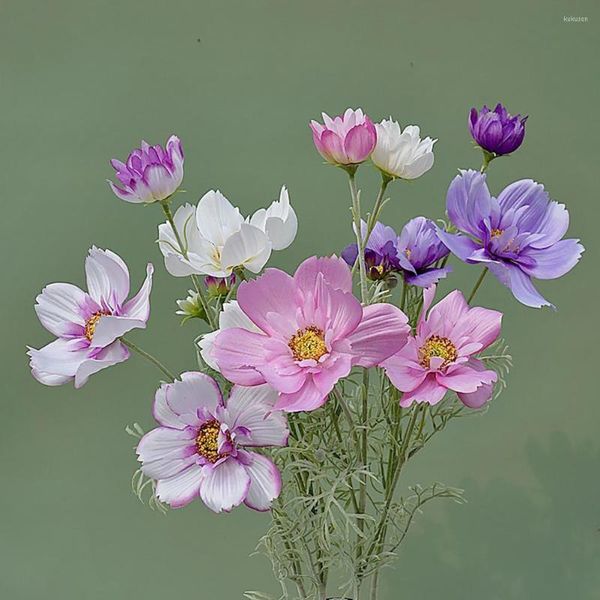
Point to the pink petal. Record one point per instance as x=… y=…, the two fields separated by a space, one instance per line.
x=265 y=482
x=126 y=194
x=403 y=369
x=466 y=379
x=480 y=396
x=308 y=397
x=164 y=452
x=448 y=311
x=382 y=332
x=251 y=409
x=280 y=369
x=238 y=352
x=271 y=302
x=359 y=143
x=429 y=391
x=331 y=371
x=331 y=148
x=181 y=489
x=224 y=485
x=478 y=325
x=335 y=271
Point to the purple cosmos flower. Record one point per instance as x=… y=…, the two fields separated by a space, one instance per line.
x=347 y=139
x=496 y=131
x=308 y=331
x=88 y=325
x=200 y=448
x=151 y=173
x=414 y=252
x=440 y=355
x=517 y=235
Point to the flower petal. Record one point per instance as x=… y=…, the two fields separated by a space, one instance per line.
x=107 y=357
x=238 y=352
x=224 y=485
x=429 y=391
x=110 y=328
x=334 y=270
x=138 y=307
x=59 y=308
x=519 y=283
x=193 y=392
x=164 y=452
x=181 y=489
x=308 y=397
x=554 y=261
x=107 y=278
x=249 y=247
x=265 y=482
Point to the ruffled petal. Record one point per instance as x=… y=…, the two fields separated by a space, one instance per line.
x=429 y=391
x=59 y=309
x=249 y=247
x=164 y=452
x=308 y=397
x=107 y=357
x=138 y=307
x=519 y=283
x=265 y=482
x=107 y=278
x=224 y=485
x=238 y=352
x=181 y=489
x=335 y=272
x=110 y=328
x=554 y=261
x=194 y=392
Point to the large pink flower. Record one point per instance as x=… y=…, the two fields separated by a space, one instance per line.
x=347 y=139
x=199 y=448
x=311 y=332
x=88 y=325
x=440 y=357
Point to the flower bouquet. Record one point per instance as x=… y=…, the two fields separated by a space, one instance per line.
x=314 y=389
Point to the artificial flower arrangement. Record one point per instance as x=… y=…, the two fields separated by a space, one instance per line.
x=309 y=399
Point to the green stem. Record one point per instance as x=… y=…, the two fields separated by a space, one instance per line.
x=182 y=248
x=477 y=284
x=488 y=157
x=149 y=358
x=403 y=298
x=359 y=239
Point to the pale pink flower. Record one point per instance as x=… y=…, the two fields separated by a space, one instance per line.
x=304 y=333
x=200 y=448
x=88 y=324
x=440 y=357
x=347 y=139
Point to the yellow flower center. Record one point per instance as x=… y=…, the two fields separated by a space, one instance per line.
x=407 y=252
x=496 y=233
x=90 y=325
x=207 y=441
x=440 y=347
x=308 y=344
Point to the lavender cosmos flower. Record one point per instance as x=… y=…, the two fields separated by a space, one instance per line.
x=200 y=447
x=88 y=325
x=517 y=235
x=347 y=139
x=308 y=331
x=496 y=131
x=440 y=356
x=151 y=173
x=414 y=252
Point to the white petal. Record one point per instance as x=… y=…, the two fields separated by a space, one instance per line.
x=265 y=482
x=181 y=489
x=109 y=356
x=163 y=413
x=224 y=485
x=217 y=218
x=249 y=247
x=194 y=391
x=164 y=452
x=138 y=307
x=107 y=277
x=58 y=308
x=58 y=360
x=109 y=328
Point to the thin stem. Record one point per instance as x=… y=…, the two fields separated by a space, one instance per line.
x=359 y=239
x=403 y=298
x=149 y=358
x=488 y=157
x=477 y=284
x=182 y=248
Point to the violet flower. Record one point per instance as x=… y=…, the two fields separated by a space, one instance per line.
x=496 y=131
x=413 y=253
x=151 y=173
x=517 y=236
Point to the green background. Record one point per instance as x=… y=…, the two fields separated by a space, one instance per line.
x=82 y=81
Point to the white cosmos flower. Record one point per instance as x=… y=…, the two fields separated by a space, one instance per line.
x=216 y=238
x=231 y=316
x=279 y=221
x=402 y=154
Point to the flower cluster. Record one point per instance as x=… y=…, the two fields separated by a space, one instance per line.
x=379 y=369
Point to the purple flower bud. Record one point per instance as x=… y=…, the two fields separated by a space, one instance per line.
x=496 y=131
x=151 y=173
x=219 y=286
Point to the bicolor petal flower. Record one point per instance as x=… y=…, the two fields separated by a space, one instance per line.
x=347 y=139
x=311 y=332
x=88 y=325
x=203 y=446
x=496 y=131
x=279 y=221
x=217 y=240
x=441 y=356
x=517 y=235
x=151 y=173
x=402 y=154
x=413 y=253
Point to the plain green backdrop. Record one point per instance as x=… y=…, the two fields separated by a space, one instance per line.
x=83 y=81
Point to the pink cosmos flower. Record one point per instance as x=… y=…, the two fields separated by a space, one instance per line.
x=88 y=325
x=199 y=448
x=345 y=140
x=440 y=357
x=310 y=331
x=151 y=173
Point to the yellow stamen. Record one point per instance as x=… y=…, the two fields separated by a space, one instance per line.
x=496 y=233
x=437 y=346
x=308 y=343
x=90 y=325
x=207 y=441
x=407 y=252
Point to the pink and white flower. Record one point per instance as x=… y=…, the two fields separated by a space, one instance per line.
x=310 y=332
x=88 y=325
x=347 y=139
x=151 y=173
x=200 y=448
x=440 y=357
